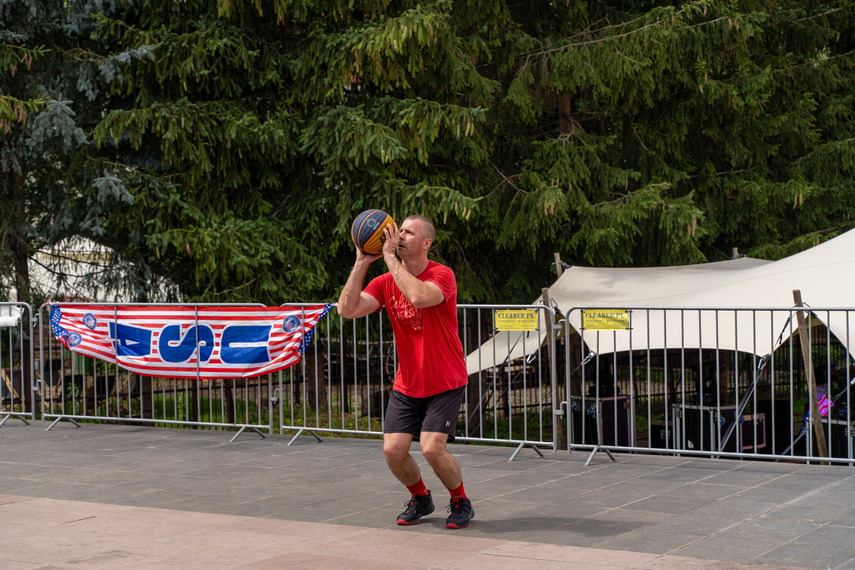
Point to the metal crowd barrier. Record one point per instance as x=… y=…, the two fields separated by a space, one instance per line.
x=695 y=381
x=17 y=399
x=342 y=384
x=723 y=382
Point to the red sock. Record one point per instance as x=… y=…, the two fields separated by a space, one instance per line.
x=418 y=489
x=458 y=492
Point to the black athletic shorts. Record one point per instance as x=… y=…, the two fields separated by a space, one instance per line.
x=414 y=415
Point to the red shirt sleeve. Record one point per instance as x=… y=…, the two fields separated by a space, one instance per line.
x=376 y=288
x=443 y=277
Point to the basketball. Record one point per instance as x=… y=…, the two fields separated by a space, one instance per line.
x=367 y=230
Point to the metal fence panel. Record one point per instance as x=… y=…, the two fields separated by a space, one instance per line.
x=716 y=382
x=17 y=369
x=343 y=383
x=723 y=382
x=510 y=400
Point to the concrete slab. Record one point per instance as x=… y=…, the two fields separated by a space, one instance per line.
x=107 y=496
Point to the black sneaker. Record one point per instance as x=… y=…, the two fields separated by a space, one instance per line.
x=417 y=507
x=461 y=511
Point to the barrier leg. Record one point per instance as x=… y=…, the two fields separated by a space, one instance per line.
x=293 y=439
x=60 y=418
x=594 y=452
x=519 y=448
x=599 y=446
x=242 y=430
x=7 y=416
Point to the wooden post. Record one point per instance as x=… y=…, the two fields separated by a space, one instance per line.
x=146 y=397
x=562 y=420
x=194 y=400
x=815 y=416
x=561 y=431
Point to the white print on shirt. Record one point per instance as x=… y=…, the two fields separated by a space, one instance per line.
x=407 y=314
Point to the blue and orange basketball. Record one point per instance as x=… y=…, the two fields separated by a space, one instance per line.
x=367 y=230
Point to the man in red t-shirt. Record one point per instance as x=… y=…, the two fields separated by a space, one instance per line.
x=420 y=297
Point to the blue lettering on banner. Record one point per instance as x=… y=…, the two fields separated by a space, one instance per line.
x=130 y=341
x=240 y=344
x=187 y=345
x=245 y=344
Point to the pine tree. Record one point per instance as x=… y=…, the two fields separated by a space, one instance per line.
x=644 y=133
x=19 y=100
x=241 y=137
x=52 y=187
x=262 y=129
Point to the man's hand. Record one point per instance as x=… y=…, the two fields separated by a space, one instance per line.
x=365 y=258
x=393 y=235
x=420 y=293
x=352 y=303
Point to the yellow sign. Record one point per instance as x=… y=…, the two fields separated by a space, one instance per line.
x=605 y=319
x=516 y=320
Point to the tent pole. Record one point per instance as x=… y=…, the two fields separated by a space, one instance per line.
x=559 y=430
x=558 y=268
x=743 y=403
x=815 y=417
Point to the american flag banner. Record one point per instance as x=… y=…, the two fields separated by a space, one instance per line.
x=206 y=342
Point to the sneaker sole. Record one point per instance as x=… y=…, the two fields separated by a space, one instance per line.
x=417 y=521
x=467 y=525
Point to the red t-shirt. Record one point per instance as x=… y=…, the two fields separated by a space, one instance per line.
x=430 y=355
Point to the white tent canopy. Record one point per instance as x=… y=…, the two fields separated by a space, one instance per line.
x=10 y=315
x=712 y=290
x=67 y=270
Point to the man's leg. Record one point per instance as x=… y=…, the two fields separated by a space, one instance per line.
x=439 y=422
x=447 y=469
x=396 y=447
x=444 y=464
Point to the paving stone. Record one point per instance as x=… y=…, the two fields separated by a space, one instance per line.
x=109 y=496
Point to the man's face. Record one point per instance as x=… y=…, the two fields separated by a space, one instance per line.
x=411 y=240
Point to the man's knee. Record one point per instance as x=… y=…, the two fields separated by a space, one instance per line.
x=433 y=447
x=395 y=447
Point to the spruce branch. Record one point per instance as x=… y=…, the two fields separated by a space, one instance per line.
x=657 y=23
x=233 y=289
x=506 y=179
x=820 y=15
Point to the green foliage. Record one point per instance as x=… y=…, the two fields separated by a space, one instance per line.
x=12 y=109
x=39 y=130
x=235 y=140
x=247 y=143
x=655 y=135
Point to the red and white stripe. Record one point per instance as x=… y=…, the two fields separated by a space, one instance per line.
x=282 y=346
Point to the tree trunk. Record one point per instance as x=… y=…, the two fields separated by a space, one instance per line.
x=229 y=402
x=146 y=398
x=316 y=379
x=565 y=120
x=18 y=244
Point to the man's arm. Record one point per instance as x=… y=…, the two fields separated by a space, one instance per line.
x=353 y=302
x=421 y=294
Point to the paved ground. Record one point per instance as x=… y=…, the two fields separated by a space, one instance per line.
x=105 y=496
